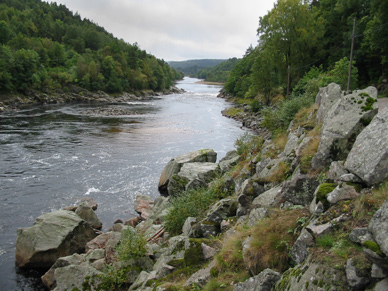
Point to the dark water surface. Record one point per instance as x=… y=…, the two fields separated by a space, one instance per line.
x=52 y=156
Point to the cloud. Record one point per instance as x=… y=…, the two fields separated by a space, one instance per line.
x=179 y=29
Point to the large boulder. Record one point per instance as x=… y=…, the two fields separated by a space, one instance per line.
x=368 y=158
x=175 y=165
x=326 y=98
x=56 y=234
x=342 y=124
x=312 y=276
x=299 y=251
x=270 y=198
x=231 y=159
x=299 y=189
x=87 y=213
x=378 y=227
x=264 y=281
x=60 y=274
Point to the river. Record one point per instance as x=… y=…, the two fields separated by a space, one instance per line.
x=52 y=156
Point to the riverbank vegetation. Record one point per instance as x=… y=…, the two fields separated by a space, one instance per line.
x=46 y=47
x=305 y=45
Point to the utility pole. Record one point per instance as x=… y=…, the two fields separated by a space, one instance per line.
x=351 y=55
x=288 y=81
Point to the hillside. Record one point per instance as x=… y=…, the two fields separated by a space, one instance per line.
x=192 y=67
x=47 y=48
x=219 y=73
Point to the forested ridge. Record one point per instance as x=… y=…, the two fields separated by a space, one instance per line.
x=46 y=47
x=193 y=67
x=304 y=44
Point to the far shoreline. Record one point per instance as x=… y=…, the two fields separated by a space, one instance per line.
x=210 y=83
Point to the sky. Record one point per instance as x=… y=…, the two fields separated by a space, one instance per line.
x=176 y=30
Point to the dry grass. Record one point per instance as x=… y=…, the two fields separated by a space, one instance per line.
x=366 y=205
x=272 y=239
x=279 y=143
x=230 y=257
x=308 y=152
x=306 y=117
x=283 y=171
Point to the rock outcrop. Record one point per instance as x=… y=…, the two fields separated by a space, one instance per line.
x=175 y=165
x=368 y=158
x=54 y=235
x=342 y=124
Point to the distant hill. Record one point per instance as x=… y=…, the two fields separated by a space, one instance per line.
x=219 y=73
x=46 y=47
x=192 y=67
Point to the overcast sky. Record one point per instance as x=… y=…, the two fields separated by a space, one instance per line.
x=176 y=30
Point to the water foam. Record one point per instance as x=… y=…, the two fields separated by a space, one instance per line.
x=92 y=190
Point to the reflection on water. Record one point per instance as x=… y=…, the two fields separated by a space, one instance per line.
x=53 y=156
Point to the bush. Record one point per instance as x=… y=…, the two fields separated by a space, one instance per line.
x=248 y=145
x=187 y=204
x=132 y=245
x=279 y=118
x=256 y=105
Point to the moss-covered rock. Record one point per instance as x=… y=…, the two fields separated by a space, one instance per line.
x=322 y=191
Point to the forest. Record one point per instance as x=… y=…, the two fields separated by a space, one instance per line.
x=304 y=45
x=46 y=47
x=192 y=68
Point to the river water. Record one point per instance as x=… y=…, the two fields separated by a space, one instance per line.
x=52 y=156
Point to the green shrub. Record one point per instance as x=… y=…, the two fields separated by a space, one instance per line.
x=256 y=105
x=281 y=116
x=112 y=278
x=187 y=204
x=132 y=245
x=248 y=145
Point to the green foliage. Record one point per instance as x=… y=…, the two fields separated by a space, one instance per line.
x=279 y=117
x=256 y=105
x=194 y=67
x=248 y=145
x=295 y=36
x=191 y=203
x=340 y=74
x=46 y=47
x=112 y=278
x=219 y=73
x=132 y=245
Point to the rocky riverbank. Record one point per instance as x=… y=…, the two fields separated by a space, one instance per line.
x=74 y=94
x=309 y=213
x=243 y=113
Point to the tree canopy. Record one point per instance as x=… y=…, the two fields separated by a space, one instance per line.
x=298 y=35
x=45 y=46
